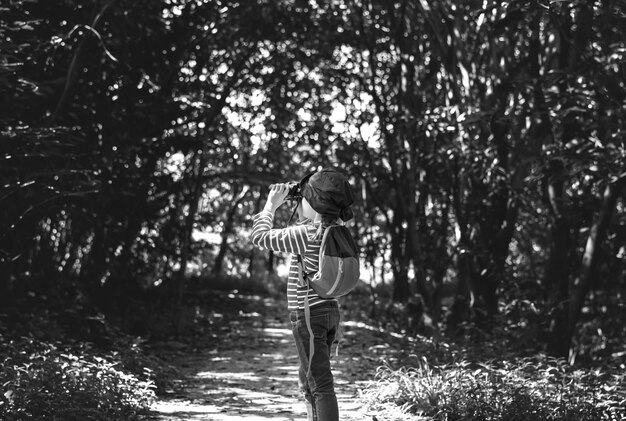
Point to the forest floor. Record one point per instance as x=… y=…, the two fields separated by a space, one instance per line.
x=244 y=367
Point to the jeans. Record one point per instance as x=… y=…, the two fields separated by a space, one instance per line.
x=318 y=386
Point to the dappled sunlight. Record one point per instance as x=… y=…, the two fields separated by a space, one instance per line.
x=228 y=376
x=242 y=386
x=483 y=146
x=250 y=369
x=276 y=333
x=361 y=325
x=188 y=410
x=246 y=383
x=251 y=372
x=368 y=327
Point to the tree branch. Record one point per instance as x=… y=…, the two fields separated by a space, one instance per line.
x=71 y=72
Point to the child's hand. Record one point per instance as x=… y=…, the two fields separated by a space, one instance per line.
x=276 y=197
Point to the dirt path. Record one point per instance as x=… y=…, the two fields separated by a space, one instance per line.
x=247 y=369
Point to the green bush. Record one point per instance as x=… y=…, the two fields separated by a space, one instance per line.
x=527 y=390
x=42 y=382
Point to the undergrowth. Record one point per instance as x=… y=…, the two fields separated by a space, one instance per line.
x=48 y=381
x=540 y=389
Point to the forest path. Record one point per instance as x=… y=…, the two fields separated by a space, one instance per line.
x=246 y=368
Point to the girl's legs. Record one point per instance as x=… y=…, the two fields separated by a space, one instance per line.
x=318 y=386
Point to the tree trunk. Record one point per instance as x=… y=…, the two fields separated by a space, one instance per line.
x=401 y=289
x=557 y=276
x=558 y=268
x=135 y=219
x=194 y=199
x=270 y=261
x=597 y=234
x=400 y=259
x=463 y=297
x=73 y=68
x=559 y=271
x=95 y=263
x=497 y=225
x=228 y=229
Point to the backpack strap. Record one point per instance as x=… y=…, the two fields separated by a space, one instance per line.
x=307 y=319
x=303 y=281
x=303 y=275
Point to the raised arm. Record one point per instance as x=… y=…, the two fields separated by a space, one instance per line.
x=289 y=240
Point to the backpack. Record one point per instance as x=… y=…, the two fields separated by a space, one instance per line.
x=338 y=272
x=339 y=269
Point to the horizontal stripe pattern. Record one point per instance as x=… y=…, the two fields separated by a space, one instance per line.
x=302 y=239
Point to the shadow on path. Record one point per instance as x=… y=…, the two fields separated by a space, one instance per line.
x=248 y=370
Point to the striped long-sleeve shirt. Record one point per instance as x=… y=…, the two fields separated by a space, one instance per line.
x=301 y=239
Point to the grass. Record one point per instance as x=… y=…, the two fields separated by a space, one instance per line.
x=46 y=381
x=539 y=389
x=483 y=378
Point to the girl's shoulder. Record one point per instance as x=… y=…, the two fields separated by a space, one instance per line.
x=309 y=227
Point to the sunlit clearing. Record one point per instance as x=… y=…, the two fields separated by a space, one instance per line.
x=304 y=115
x=338 y=118
x=228 y=376
x=234 y=378
x=276 y=333
x=174 y=165
x=361 y=325
x=239 y=115
x=205 y=411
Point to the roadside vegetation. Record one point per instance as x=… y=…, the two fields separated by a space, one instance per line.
x=484 y=140
x=51 y=381
x=106 y=373
x=528 y=389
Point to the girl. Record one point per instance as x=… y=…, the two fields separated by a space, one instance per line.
x=325 y=197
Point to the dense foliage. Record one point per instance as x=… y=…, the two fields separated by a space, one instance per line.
x=485 y=142
x=44 y=382
x=521 y=390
